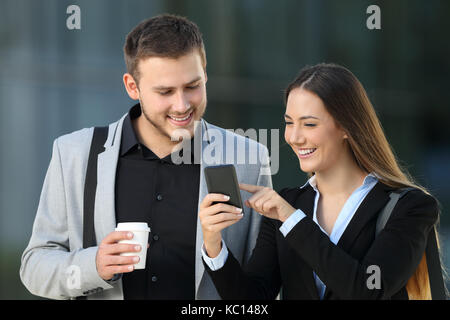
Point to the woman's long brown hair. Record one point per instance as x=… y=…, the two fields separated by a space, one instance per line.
x=346 y=100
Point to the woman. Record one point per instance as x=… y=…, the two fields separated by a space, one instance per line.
x=318 y=241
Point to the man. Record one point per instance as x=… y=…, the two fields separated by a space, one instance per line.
x=141 y=180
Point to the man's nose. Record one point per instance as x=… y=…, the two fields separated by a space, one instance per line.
x=181 y=103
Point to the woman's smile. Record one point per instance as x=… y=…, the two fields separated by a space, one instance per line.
x=304 y=153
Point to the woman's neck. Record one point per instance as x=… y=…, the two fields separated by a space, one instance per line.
x=341 y=180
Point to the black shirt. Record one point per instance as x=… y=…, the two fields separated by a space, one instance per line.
x=165 y=195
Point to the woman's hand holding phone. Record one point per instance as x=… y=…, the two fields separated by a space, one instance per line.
x=267 y=202
x=215 y=215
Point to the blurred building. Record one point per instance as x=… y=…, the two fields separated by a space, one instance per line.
x=54 y=80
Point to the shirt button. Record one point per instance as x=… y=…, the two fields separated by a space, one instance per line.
x=156 y=237
x=159 y=197
x=154 y=278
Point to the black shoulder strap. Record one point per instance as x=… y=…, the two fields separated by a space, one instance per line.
x=383 y=217
x=90 y=186
x=431 y=250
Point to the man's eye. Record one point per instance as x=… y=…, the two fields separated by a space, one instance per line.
x=287 y=123
x=193 y=87
x=310 y=124
x=164 y=93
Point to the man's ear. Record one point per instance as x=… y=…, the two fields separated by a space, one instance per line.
x=131 y=86
x=206 y=77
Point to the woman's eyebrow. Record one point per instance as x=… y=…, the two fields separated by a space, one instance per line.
x=301 y=118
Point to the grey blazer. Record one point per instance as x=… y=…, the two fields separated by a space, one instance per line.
x=55 y=265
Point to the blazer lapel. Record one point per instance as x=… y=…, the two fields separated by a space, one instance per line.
x=306 y=203
x=375 y=200
x=203 y=144
x=372 y=203
x=105 y=215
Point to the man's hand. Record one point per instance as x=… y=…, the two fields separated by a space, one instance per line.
x=267 y=202
x=108 y=259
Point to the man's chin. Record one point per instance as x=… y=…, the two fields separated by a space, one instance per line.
x=183 y=133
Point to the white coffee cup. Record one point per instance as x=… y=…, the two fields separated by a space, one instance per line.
x=140 y=231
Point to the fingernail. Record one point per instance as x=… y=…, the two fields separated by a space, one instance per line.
x=226 y=197
x=137 y=248
x=136 y=259
x=238 y=210
x=129 y=235
x=130 y=268
x=240 y=215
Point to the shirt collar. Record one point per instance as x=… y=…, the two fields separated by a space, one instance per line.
x=130 y=140
x=367 y=180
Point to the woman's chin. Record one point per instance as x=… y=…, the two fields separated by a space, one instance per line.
x=306 y=168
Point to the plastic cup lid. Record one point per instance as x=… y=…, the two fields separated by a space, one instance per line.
x=133 y=226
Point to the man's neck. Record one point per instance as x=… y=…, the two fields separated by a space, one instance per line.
x=160 y=144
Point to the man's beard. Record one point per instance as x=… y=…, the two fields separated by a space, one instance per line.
x=154 y=124
x=160 y=128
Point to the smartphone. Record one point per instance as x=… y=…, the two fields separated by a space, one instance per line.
x=222 y=179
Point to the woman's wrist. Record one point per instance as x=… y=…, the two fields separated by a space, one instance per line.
x=287 y=213
x=213 y=248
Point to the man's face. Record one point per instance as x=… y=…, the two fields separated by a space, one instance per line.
x=172 y=93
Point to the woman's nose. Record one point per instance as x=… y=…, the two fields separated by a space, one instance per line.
x=296 y=136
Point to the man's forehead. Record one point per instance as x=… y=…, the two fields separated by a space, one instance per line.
x=187 y=61
x=170 y=72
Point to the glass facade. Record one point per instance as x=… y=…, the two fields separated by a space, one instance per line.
x=54 y=80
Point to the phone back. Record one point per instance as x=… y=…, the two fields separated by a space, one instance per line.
x=222 y=179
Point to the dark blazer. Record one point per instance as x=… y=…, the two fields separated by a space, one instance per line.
x=288 y=263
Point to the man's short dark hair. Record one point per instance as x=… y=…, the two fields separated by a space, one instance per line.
x=167 y=36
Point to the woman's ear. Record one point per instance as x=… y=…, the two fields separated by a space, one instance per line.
x=343 y=132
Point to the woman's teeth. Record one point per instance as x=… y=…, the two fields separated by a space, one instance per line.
x=305 y=152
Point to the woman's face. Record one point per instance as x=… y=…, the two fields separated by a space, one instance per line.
x=312 y=133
